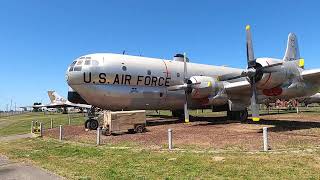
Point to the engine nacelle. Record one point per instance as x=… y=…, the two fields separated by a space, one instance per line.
x=207 y=86
x=274 y=79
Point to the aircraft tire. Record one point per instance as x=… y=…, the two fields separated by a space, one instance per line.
x=177 y=113
x=94 y=124
x=87 y=124
x=243 y=116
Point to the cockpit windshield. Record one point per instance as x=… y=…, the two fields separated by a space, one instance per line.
x=87 y=62
x=82 y=61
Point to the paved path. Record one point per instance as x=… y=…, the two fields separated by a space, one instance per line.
x=15 y=137
x=22 y=171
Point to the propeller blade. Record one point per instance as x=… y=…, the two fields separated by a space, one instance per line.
x=186 y=112
x=222 y=78
x=250 y=55
x=177 y=87
x=185 y=72
x=254 y=105
x=184 y=86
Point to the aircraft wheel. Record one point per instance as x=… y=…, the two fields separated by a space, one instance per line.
x=87 y=124
x=177 y=113
x=232 y=115
x=139 y=128
x=94 y=124
x=243 y=116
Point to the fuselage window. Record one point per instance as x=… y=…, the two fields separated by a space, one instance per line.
x=87 y=62
x=95 y=63
x=77 y=68
x=149 y=72
x=79 y=62
x=124 y=68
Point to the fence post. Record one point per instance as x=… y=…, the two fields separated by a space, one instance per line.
x=265 y=139
x=41 y=129
x=32 y=124
x=60 y=132
x=51 y=123
x=170 y=139
x=98 y=136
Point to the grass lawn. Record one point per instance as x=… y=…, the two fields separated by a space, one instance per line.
x=21 y=124
x=77 y=161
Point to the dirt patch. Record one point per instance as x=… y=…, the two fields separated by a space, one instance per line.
x=285 y=131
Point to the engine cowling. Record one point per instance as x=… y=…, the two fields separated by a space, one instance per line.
x=274 y=79
x=206 y=86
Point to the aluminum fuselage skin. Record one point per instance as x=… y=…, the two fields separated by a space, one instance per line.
x=123 y=82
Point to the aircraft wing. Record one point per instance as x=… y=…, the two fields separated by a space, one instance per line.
x=312 y=75
x=86 y=106
x=237 y=86
x=63 y=105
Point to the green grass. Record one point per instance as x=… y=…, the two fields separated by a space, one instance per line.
x=21 y=124
x=76 y=161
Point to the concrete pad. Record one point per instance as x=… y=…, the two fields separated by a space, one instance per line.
x=16 y=136
x=9 y=170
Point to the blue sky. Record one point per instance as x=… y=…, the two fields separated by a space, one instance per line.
x=38 y=39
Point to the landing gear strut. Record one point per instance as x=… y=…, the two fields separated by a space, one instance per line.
x=241 y=116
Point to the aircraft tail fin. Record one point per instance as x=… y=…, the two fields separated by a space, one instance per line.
x=54 y=97
x=292 y=51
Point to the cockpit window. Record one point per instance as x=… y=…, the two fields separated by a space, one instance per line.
x=95 y=62
x=79 y=62
x=71 y=69
x=87 y=62
x=77 y=68
x=73 y=63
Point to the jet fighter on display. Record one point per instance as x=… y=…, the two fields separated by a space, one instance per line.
x=124 y=82
x=59 y=102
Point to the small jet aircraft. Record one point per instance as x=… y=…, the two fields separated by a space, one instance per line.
x=123 y=82
x=309 y=100
x=58 y=101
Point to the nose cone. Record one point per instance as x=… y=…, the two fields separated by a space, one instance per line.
x=75 y=71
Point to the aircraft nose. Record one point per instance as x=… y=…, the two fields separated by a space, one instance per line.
x=74 y=72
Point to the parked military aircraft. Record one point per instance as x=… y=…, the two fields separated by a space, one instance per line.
x=309 y=100
x=115 y=82
x=58 y=101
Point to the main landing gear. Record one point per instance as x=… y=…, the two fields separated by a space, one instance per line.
x=91 y=123
x=178 y=113
x=241 y=116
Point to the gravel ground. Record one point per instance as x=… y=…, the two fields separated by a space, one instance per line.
x=285 y=131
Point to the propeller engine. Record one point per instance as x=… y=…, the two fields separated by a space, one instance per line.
x=253 y=73
x=196 y=87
